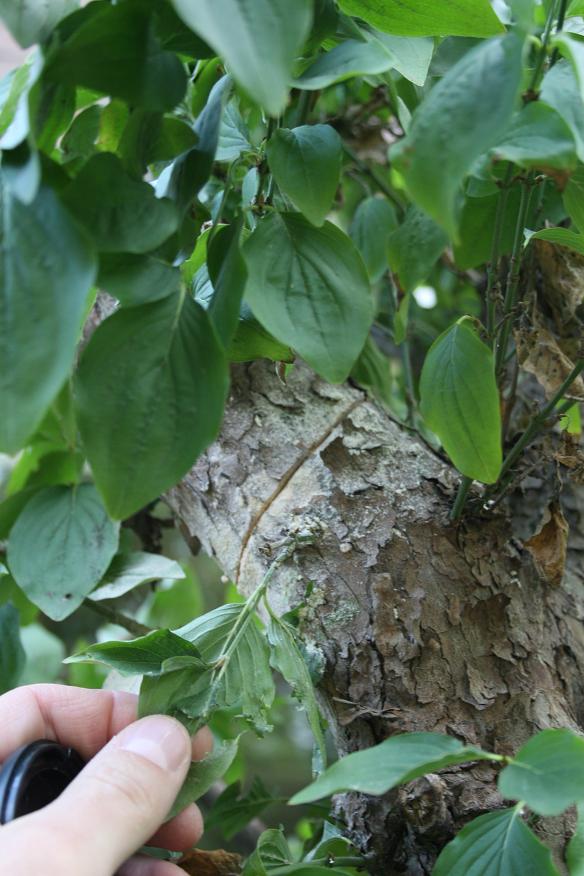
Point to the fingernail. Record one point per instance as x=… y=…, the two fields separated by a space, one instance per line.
x=161 y=740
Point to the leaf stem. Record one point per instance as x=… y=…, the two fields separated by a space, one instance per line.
x=331 y=863
x=461 y=497
x=539 y=420
x=513 y=277
x=371 y=172
x=116 y=617
x=492 y=267
x=536 y=76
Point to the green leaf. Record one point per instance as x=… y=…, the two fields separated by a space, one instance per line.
x=31 y=21
x=114 y=50
x=575 y=848
x=228 y=274
x=306 y=164
x=252 y=341
x=46 y=268
x=561 y=237
x=372 y=370
x=287 y=658
x=373 y=222
x=247 y=681
x=143 y=656
x=538 y=137
x=547 y=773
x=414 y=248
x=573 y=50
x=130 y=570
x=14 y=93
x=120 y=213
x=476 y=99
x=308 y=286
x=203 y=774
x=60 y=547
x=496 y=844
x=233 y=135
x=149 y=137
x=473 y=18
x=12 y=656
x=185 y=177
x=411 y=55
x=143 y=427
x=271 y=851
x=477 y=222
x=460 y=401
x=136 y=279
x=258 y=39
x=394 y=762
x=345 y=61
x=232 y=810
x=574 y=198
x=560 y=90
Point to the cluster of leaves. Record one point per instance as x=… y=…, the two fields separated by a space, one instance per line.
x=187 y=159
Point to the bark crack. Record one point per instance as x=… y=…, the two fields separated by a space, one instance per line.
x=310 y=451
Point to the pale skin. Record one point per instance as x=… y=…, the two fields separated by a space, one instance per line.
x=119 y=801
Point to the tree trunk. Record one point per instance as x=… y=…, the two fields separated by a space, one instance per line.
x=419 y=624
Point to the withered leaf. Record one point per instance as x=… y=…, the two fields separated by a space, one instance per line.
x=218 y=863
x=571 y=455
x=539 y=353
x=549 y=546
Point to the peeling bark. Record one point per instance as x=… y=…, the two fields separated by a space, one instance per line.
x=419 y=624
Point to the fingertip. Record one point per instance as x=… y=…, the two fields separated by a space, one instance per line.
x=202 y=744
x=142 y=865
x=182 y=832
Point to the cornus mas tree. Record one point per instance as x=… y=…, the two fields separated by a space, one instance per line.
x=312 y=272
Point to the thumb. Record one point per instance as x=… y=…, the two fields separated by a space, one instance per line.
x=125 y=792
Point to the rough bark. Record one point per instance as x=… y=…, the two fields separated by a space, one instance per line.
x=419 y=624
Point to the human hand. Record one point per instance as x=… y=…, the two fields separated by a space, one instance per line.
x=120 y=799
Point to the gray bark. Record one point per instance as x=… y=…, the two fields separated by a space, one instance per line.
x=419 y=624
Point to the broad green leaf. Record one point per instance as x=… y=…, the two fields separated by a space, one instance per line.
x=476 y=99
x=473 y=18
x=52 y=107
x=61 y=546
x=538 y=137
x=572 y=49
x=574 y=198
x=414 y=248
x=252 y=341
x=306 y=164
x=228 y=274
x=11 y=592
x=31 y=21
x=561 y=91
x=271 y=851
x=287 y=658
x=12 y=656
x=120 y=213
x=309 y=287
x=372 y=370
x=149 y=137
x=47 y=268
x=477 y=221
x=114 y=50
x=14 y=109
x=184 y=178
x=143 y=656
x=21 y=171
x=258 y=39
x=561 y=237
x=373 y=222
x=80 y=140
x=496 y=844
x=136 y=279
x=547 y=773
x=460 y=401
x=247 y=682
x=203 y=774
x=394 y=762
x=143 y=427
x=130 y=570
x=411 y=55
x=348 y=59
x=45 y=653
x=575 y=848
x=233 y=810
x=233 y=135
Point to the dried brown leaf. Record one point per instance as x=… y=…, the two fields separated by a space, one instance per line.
x=218 y=863
x=549 y=546
x=539 y=353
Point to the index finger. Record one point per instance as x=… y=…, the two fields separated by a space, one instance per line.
x=73 y=716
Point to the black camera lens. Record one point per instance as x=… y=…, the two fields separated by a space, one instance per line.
x=34 y=776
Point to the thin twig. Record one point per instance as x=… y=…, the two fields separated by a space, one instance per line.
x=116 y=617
